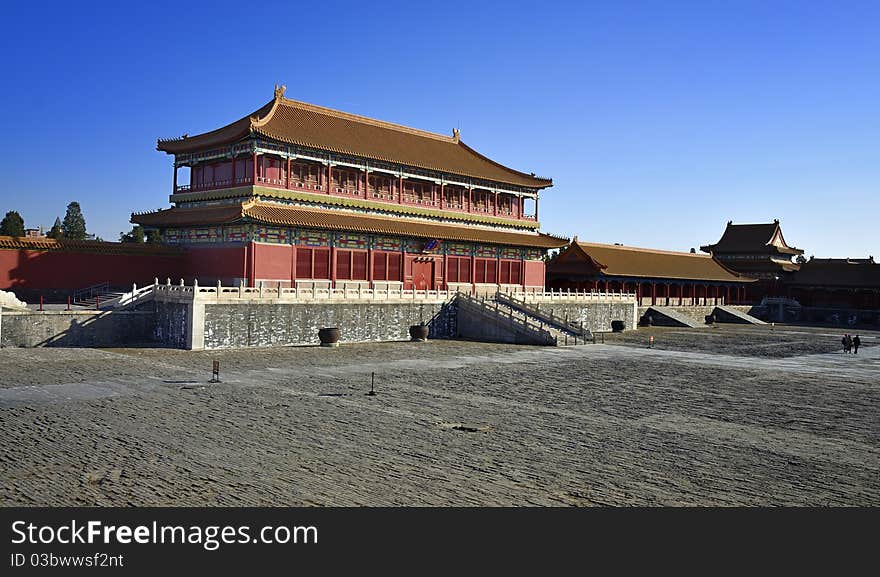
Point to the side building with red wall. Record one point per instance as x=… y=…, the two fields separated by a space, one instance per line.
x=656 y=277
x=31 y=267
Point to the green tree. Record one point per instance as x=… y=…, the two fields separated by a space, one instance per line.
x=12 y=224
x=74 y=224
x=57 y=230
x=153 y=237
x=135 y=235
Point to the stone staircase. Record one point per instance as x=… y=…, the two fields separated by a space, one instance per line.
x=568 y=330
x=494 y=321
x=96 y=296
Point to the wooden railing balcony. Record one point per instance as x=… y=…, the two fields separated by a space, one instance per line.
x=305 y=185
x=378 y=195
x=275 y=182
x=415 y=201
x=381 y=195
x=336 y=190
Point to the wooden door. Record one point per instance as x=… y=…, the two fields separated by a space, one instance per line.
x=423 y=275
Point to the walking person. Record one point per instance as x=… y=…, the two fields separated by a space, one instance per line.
x=843 y=342
x=855 y=344
x=847 y=347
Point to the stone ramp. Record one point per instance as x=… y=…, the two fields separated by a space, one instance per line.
x=669 y=317
x=728 y=314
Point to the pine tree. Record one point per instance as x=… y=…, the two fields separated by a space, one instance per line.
x=153 y=237
x=57 y=231
x=12 y=224
x=135 y=235
x=74 y=224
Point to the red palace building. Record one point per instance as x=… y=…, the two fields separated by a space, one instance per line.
x=306 y=196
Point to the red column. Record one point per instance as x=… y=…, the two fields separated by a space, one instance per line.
x=233 y=170
x=653 y=293
x=402 y=263
x=251 y=265
x=366 y=182
x=400 y=190
x=329 y=177
x=522 y=206
x=174 y=186
x=442 y=194
x=474 y=272
x=370 y=258
x=287 y=179
x=254 y=176
x=470 y=198
x=495 y=205
x=332 y=267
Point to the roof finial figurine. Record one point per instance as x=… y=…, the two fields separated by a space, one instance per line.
x=279 y=91
x=456 y=135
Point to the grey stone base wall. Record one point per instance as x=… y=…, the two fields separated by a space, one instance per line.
x=77 y=328
x=595 y=316
x=171 y=323
x=264 y=325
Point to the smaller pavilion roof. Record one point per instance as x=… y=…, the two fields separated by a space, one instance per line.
x=752 y=238
x=839 y=272
x=627 y=261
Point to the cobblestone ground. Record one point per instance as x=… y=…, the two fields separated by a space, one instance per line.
x=726 y=416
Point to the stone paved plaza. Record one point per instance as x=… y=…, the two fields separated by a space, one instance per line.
x=731 y=415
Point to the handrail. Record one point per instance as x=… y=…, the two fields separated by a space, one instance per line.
x=550 y=318
x=520 y=321
x=90 y=291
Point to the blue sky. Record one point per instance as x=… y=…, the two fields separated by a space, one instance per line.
x=658 y=121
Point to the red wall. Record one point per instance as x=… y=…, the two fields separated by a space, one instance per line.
x=273 y=262
x=534 y=273
x=211 y=263
x=28 y=269
x=31 y=269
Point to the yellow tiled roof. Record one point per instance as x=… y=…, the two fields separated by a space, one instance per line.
x=290 y=215
x=299 y=123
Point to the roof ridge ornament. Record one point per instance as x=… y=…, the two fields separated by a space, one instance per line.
x=279 y=91
x=456 y=135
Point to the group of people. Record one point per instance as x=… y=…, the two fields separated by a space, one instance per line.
x=851 y=344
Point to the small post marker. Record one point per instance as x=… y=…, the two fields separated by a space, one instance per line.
x=215 y=377
x=41 y=302
x=372 y=392
x=651 y=342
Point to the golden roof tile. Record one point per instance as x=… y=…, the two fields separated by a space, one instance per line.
x=298 y=216
x=300 y=123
